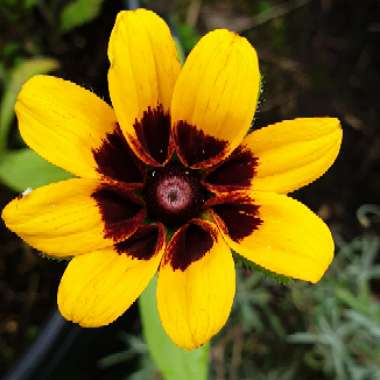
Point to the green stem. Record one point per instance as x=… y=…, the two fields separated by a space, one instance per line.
x=172 y=362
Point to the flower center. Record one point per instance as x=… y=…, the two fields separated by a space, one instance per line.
x=173 y=194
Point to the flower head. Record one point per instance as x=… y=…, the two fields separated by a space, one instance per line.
x=169 y=181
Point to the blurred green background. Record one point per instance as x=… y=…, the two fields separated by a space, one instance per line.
x=318 y=57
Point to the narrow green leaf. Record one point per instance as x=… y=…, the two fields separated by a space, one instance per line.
x=180 y=52
x=173 y=362
x=23 y=169
x=187 y=35
x=78 y=12
x=18 y=76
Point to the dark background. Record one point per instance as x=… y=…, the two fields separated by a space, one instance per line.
x=317 y=58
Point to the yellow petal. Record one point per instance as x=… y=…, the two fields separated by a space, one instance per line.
x=144 y=68
x=293 y=153
x=72 y=128
x=215 y=98
x=276 y=232
x=98 y=287
x=196 y=284
x=72 y=217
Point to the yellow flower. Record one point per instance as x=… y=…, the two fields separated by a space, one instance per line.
x=171 y=156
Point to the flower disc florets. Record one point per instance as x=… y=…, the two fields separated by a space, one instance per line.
x=173 y=194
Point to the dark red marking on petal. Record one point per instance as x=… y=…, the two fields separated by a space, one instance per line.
x=144 y=243
x=188 y=245
x=153 y=133
x=235 y=172
x=195 y=147
x=116 y=159
x=121 y=212
x=239 y=216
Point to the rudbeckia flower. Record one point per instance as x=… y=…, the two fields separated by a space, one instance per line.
x=168 y=180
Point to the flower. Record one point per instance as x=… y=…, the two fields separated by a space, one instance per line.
x=168 y=181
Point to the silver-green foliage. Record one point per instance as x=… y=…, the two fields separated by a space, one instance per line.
x=344 y=321
x=330 y=330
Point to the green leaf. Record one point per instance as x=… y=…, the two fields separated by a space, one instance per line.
x=187 y=35
x=180 y=52
x=78 y=12
x=173 y=362
x=30 y=3
x=250 y=265
x=23 y=169
x=18 y=76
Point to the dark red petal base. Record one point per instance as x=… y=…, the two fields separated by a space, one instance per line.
x=194 y=147
x=235 y=172
x=238 y=214
x=116 y=160
x=188 y=245
x=153 y=134
x=121 y=211
x=144 y=243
